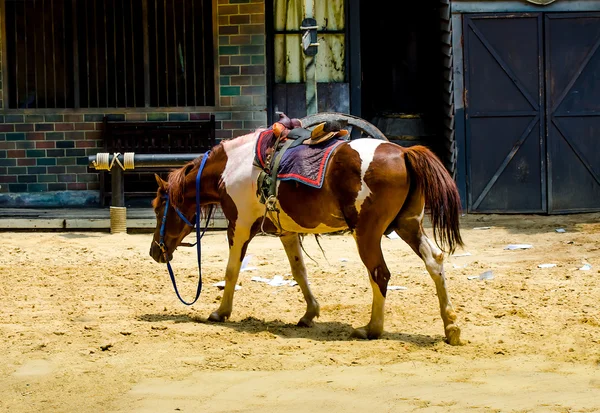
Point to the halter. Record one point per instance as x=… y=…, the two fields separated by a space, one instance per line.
x=196 y=219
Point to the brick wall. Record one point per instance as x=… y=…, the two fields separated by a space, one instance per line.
x=241 y=42
x=42 y=152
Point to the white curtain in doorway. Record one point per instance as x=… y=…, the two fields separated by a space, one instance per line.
x=289 y=58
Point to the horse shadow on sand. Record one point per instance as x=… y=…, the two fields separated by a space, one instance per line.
x=321 y=331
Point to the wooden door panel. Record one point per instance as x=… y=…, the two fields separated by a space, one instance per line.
x=573 y=111
x=504 y=113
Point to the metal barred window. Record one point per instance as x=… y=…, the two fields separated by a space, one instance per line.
x=109 y=53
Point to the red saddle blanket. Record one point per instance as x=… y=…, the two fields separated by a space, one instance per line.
x=303 y=163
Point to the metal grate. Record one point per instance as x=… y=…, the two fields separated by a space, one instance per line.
x=39 y=53
x=109 y=53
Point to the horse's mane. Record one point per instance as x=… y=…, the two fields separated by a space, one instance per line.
x=177 y=178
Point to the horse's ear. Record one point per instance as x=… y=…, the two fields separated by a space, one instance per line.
x=161 y=184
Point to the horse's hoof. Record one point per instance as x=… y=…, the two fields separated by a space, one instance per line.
x=453 y=335
x=363 y=333
x=359 y=333
x=305 y=322
x=217 y=318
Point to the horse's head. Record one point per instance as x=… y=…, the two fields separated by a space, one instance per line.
x=175 y=216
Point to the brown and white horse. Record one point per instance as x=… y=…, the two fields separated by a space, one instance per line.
x=371 y=187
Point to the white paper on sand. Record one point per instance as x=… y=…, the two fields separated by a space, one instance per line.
x=276 y=281
x=245 y=262
x=464 y=254
x=393 y=235
x=518 y=247
x=586 y=267
x=488 y=275
x=396 y=288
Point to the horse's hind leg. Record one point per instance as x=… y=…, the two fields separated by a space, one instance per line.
x=411 y=231
x=369 y=249
x=291 y=244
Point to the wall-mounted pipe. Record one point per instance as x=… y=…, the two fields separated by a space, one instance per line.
x=144 y=160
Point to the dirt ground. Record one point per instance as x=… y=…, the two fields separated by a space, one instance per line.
x=89 y=322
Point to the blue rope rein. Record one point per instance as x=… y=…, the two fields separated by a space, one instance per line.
x=198 y=234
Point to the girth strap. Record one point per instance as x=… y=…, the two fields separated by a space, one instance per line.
x=275 y=167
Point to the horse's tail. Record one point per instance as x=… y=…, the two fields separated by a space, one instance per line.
x=441 y=195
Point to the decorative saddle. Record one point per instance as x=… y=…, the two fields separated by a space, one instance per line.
x=287 y=151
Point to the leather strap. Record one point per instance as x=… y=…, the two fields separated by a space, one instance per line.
x=275 y=168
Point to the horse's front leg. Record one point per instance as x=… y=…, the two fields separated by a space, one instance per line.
x=291 y=243
x=238 y=243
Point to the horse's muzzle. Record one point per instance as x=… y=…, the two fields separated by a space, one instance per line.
x=157 y=254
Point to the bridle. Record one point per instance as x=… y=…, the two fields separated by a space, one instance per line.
x=196 y=225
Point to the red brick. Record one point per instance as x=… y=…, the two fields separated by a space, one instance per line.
x=252 y=29
x=85 y=126
x=73 y=136
x=26 y=162
x=77 y=186
x=253 y=70
x=259 y=100
x=99 y=126
x=241 y=19
x=257 y=18
x=45 y=144
x=199 y=116
x=93 y=135
x=241 y=80
x=257 y=8
x=136 y=117
x=258 y=80
x=237 y=40
x=232 y=124
x=18 y=153
x=73 y=118
x=223 y=134
x=253 y=90
x=35 y=136
x=229 y=30
x=85 y=144
x=64 y=126
x=228 y=9
x=7 y=128
x=24 y=127
x=225 y=101
x=224 y=60
x=7 y=145
x=8 y=179
x=223 y=20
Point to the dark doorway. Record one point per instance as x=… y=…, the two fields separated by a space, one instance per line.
x=401 y=64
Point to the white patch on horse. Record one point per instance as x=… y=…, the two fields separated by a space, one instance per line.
x=366 y=150
x=240 y=176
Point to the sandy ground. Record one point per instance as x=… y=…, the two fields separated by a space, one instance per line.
x=89 y=322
